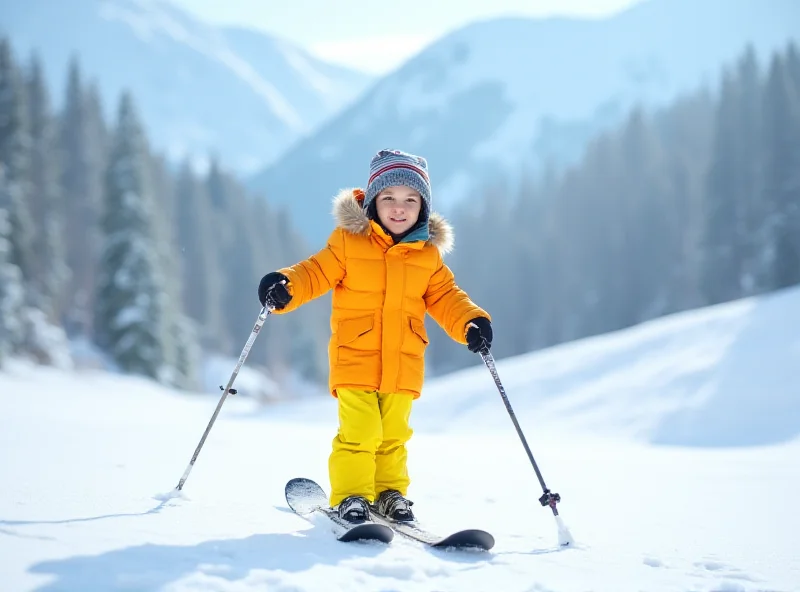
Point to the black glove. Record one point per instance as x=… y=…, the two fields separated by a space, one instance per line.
x=272 y=290
x=480 y=334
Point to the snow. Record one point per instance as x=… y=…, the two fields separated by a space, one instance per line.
x=724 y=376
x=250 y=382
x=316 y=79
x=151 y=18
x=47 y=343
x=90 y=460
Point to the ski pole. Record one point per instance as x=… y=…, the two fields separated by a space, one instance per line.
x=548 y=498
x=262 y=316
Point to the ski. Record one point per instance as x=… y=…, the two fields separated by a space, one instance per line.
x=463 y=539
x=306 y=498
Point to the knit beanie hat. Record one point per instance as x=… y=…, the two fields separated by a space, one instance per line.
x=395 y=167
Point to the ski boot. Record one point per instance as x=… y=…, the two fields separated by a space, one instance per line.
x=394 y=506
x=353 y=509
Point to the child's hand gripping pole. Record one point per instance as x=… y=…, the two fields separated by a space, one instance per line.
x=548 y=498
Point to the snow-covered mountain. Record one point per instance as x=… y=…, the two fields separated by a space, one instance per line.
x=84 y=454
x=485 y=98
x=241 y=94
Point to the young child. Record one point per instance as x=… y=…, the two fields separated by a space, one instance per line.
x=384 y=264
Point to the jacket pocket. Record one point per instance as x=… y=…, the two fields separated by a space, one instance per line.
x=417 y=338
x=348 y=330
x=418 y=327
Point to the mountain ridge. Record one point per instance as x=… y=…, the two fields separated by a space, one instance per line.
x=201 y=89
x=500 y=95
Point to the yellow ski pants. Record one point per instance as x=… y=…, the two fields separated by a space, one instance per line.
x=369 y=451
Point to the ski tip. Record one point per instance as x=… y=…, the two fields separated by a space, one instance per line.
x=472 y=539
x=297 y=481
x=367 y=532
x=302 y=485
x=304 y=495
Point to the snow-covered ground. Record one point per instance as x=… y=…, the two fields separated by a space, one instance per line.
x=674 y=446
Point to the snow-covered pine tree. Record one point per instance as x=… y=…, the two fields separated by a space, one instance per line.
x=197 y=253
x=11 y=288
x=81 y=146
x=160 y=191
x=793 y=64
x=199 y=271
x=748 y=172
x=15 y=158
x=782 y=172
x=721 y=265
x=130 y=321
x=50 y=271
x=216 y=192
x=181 y=350
x=187 y=352
x=240 y=257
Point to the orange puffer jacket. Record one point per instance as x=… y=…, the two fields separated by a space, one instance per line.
x=381 y=292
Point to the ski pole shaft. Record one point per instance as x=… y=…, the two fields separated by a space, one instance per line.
x=548 y=499
x=262 y=316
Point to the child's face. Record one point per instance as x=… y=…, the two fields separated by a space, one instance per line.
x=398 y=208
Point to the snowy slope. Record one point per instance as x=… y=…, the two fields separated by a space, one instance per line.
x=82 y=457
x=723 y=376
x=241 y=94
x=495 y=94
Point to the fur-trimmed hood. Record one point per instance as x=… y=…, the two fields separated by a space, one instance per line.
x=350 y=216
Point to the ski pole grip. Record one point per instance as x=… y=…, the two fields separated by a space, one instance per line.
x=267 y=309
x=484 y=349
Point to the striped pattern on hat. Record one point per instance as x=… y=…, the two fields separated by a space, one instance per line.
x=395 y=167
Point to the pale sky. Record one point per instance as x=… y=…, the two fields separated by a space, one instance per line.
x=373 y=35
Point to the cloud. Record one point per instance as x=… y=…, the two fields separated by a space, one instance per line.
x=376 y=55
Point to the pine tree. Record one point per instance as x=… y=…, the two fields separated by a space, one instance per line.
x=793 y=65
x=96 y=130
x=731 y=194
x=49 y=263
x=197 y=252
x=12 y=293
x=782 y=174
x=181 y=353
x=130 y=305
x=748 y=173
x=686 y=130
x=15 y=145
x=81 y=148
x=216 y=191
x=217 y=187
x=272 y=253
x=733 y=205
x=187 y=354
x=239 y=256
x=160 y=190
x=522 y=258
